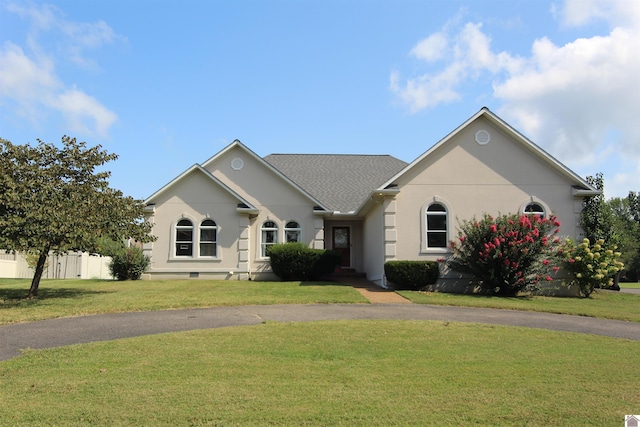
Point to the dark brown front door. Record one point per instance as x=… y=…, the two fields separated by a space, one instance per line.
x=342 y=243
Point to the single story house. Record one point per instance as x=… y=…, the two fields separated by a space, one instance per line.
x=216 y=219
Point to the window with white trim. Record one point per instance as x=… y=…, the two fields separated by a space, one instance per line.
x=184 y=238
x=292 y=232
x=436 y=226
x=208 y=238
x=269 y=237
x=534 y=208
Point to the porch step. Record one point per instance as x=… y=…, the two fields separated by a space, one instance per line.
x=348 y=272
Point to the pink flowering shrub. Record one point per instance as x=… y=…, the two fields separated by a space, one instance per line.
x=508 y=254
x=590 y=266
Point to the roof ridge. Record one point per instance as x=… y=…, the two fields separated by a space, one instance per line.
x=328 y=154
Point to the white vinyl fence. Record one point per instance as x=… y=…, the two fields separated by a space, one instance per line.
x=74 y=265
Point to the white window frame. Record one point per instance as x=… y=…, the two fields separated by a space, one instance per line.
x=424 y=243
x=213 y=242
x=272 y=229
x=196 y=239
x=293 y=227
x=535 y=201
x=177 y=242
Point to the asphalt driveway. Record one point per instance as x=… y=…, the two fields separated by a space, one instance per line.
x=77 y=330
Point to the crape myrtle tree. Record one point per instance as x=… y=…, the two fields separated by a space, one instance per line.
x=507 y=254
x=55 y=200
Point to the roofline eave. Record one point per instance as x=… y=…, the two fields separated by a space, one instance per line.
x=583 y=192
x=376 y=196
x=238 y=143
x=524 y=141
x=196 y=167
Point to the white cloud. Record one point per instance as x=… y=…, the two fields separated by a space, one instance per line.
x=432 y=48
x=621 y=183
x=83 y=112
x=21 y=77
x=427 y=91
x=578 y=100
x=28 y=78
x=464 y=56
x=583 y=90
x=42 y=17
x=615 y=12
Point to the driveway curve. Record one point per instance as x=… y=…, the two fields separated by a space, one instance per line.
x=78 y=330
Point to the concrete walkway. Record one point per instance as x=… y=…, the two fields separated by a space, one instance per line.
x=375 y=294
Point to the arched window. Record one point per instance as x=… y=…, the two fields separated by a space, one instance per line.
x=208 y=238
x=535 y=209
x=436 y=226
x=292 y=232
x=269 y=236
x=184 y=238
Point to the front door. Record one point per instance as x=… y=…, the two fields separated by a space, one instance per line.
x=342 y=244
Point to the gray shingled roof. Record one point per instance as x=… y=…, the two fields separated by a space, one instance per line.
x=342 y=182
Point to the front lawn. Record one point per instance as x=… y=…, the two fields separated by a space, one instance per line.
x=630 y=285
x=603 y=304
x=63 y=298
x=349 y=373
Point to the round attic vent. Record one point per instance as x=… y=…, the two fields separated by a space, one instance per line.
x=237 y=164
x=483 y=137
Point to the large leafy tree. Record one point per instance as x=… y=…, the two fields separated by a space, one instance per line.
x=634 y=205
x=56 y=199
x=626 y=213
x=597 y=217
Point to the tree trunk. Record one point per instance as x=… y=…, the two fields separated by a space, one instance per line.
x=35 y=283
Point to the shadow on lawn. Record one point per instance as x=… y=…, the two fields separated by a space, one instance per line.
x=323 y=282
x=15 y=296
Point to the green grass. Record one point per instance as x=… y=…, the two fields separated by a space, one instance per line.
x=608 y=305
x=64 y=298
x=630 y=285
x=351 y=373
x=373 y=373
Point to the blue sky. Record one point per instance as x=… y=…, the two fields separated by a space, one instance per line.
x=166 y=84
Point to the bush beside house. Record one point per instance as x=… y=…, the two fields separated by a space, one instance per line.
x=129 y=264
x=411 y=275
x=296 y=261
x=590 y=266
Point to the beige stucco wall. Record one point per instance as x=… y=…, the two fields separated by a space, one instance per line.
x=472 y=179
x=273 y=195
x=198 y=197
x=373 y=242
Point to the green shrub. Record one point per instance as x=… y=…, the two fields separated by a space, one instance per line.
x=128 y=263
x=296 y=261
x=412 y=275
x=590 y=266
x=508 y=254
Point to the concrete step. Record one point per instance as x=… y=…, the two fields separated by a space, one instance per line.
x=348 y=272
